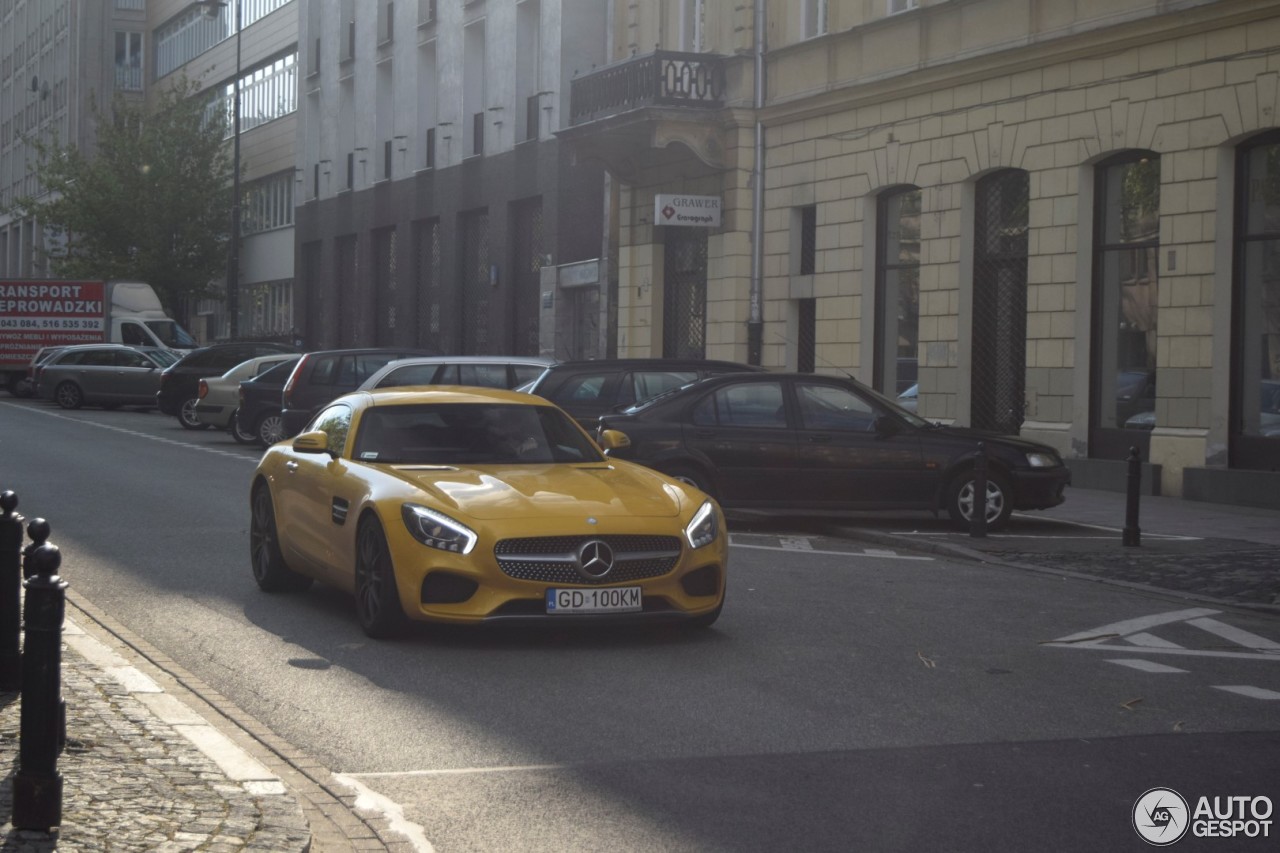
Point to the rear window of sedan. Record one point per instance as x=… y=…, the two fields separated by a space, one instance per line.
x=470 y=434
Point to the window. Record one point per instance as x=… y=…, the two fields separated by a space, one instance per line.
x=1125 y=287
x=645 y=384
x=268 y=204
x=897 y=285
x=1255 y=406
x=813 y=20
x=897 y=6
x=335 y=422
x=129 y=61
x=830 y=407
x=751 y=404
x=808 y=239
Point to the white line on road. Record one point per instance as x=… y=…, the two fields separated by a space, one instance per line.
x=1144 y=665
x=1151 y=641
x=366 y=798
x=795 y=543
x=1133 y=626
x=1236 y=635
x=133 y=432
x=877 y=554
x=1246 y=690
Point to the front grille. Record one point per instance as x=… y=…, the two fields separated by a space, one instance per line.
x=552 y=559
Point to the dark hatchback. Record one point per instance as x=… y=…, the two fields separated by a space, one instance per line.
x=319 y=377
x=589 y=389
x=180 y=383
x=257 y=418
x=801 y=441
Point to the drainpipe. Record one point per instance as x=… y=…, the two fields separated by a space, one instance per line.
x=755 y=311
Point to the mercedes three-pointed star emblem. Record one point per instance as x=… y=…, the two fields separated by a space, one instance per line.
x=595 y=559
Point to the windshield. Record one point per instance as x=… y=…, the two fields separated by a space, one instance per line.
x=171 y=334
x=471 y=434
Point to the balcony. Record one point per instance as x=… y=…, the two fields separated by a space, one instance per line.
x=629 y=114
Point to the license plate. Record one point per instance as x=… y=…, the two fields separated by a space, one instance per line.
x=614 y=599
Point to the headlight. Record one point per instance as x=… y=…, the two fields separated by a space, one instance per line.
x=1041 y=460
x=436 y=530
x=704 y=527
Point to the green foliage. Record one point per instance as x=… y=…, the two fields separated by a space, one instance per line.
x=151 y=203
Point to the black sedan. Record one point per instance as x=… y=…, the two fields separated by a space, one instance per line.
x=808 y=442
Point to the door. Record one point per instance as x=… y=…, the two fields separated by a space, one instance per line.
x=848 y=456
x=741 y=429
x=309 y=499
x=684 y=299
x=135 y=381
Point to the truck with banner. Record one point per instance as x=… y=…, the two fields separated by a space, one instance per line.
x=36 y=313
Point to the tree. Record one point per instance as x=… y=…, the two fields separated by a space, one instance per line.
x=151 y=203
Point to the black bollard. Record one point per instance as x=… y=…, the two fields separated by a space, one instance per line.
x=978 y=518
x=37 y=785
x=10 y=593
x=38 y=530
x=1132 y=535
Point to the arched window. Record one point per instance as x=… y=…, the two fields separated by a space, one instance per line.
x=1255 y=387
x=897 y=290
x=1125 y=299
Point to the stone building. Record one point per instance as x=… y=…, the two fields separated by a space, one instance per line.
x=1033 y=209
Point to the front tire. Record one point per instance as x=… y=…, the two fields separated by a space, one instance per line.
x=269 y=429
x=68 y=395
x=960 y=500
x=377 y=599
x=187 y=415
x=269 y=568
x=240 y=435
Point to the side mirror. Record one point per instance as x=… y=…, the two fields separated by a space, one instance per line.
x=312 y=442
x=612 y=439
x=886 y=426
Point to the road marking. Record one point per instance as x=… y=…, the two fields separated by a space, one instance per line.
x=1132 y=632
x=367 y=798
x=1151 y=641
x=1236 y=635
x=1144 y=665
x=876 y=553
x=133 y=432
x=1246 y=690
x=795 y=543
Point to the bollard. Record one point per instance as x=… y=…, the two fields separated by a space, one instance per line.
x=1132 y=535
x=978 y=518
x=38 y=530
x=37 y=785
x=10 y=593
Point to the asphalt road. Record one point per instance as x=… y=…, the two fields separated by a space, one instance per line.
x=850 y=698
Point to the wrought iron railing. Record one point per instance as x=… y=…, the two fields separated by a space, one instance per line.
x=662 y=78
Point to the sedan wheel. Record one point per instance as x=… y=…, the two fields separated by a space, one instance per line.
x=692 y=476
x=243 y=436
x=187 y=415
x=69 y=395
x=960 y=500
x=269 y=429
x=377 y=600
x=269 y=568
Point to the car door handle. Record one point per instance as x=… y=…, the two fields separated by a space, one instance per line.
x=291 y=467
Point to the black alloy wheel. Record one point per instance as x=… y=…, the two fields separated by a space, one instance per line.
x=187 y=415
x=960 y=500
x=69 y=395
x=377 y=599
x=269 y=568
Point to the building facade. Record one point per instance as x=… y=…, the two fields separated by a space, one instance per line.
x=437 y=208
x=201 y=43
x=57 y=58
x=1033 y=209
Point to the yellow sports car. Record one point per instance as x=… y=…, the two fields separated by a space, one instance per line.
x=473 y=505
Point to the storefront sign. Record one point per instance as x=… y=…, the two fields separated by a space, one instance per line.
x=700 y=211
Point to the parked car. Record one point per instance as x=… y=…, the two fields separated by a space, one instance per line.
x=589 y=389
x=107 y=375
x=483 y=371
x=180 y=383
x=257 y=419
x=319 y=377
x=801 y=441
x=1268 y=412
x=467 y=505
x=26 y=386
x=1135 y=395
x=218 y=397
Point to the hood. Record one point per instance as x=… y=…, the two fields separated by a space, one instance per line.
x=491 y=492
x=1011 y=442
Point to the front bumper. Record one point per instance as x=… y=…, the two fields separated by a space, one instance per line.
x=1040 y=488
